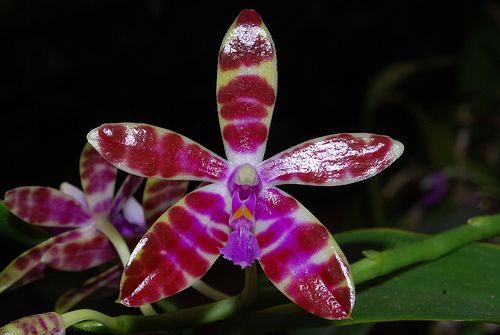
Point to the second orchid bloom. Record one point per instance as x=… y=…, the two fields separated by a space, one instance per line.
x=241 y=214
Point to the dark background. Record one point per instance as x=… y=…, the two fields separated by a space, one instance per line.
x=68 y=66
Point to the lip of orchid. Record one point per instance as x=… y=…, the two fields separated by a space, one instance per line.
x=242 y=247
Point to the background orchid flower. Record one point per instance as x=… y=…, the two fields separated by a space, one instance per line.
x=158 y=196
x=39 y=324
x=242 y=214
x=81 y=216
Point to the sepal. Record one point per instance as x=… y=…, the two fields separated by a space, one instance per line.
x=39 y=324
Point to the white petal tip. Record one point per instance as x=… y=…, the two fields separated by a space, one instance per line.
x=397 y=149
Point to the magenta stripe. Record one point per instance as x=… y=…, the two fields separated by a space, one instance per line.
x=193 y=230
x=301 y=241
x=209 y=204
x=183 y=255
x=274 y=232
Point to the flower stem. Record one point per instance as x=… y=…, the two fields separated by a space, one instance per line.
x=116 y=239
x=208 y=291
x=73 y=317
x=123 y=251
x=377 y=264
x=249 y=292
x=182 y=319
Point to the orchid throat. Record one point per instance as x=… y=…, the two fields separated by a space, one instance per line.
x=244 y=186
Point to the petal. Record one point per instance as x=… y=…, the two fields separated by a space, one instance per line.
x=301 y=258
x=129 y=186
x=331 y=160
x=246 y=88
x=79 y=249
x=75 y=192
x=39 y=324
x=23 y=265
x=98 y=180
x=150 y=151
x=45 y=206
x=72 y=297
x=159 y=195
x=179 y=248
x=133 y=213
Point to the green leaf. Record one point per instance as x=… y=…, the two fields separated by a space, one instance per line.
x=462 y=285
x=18 y=230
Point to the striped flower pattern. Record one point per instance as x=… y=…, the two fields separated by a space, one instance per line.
x=39 y=324
x=73 y=215
x=241 y=214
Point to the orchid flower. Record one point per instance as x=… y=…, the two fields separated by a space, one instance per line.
x=85 y=219
x=242 y=214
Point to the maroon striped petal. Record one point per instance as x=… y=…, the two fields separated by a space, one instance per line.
x=179 y=248
x=39 y=324
x=149 y=151
x=129 y=186
x=331 y=160
x=301 y=258
x=79 y=249
x=73 y=250
x=71 y=298
x=246 y=88
x=26 y=263
x=159 y=195
x=98 y=179
x=45 y=206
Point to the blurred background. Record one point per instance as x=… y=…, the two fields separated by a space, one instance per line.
x=426 y=73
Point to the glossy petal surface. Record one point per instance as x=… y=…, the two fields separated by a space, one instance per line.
x=74 y=296
x=79 y=249
x=47 y=207
x=129 y=186
x=301 y=257
x=179 y=248
x=98 y=179
x=331 y=160
x=39 y=324
x=159 y=195
x=246 y=88
x=150 y=151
